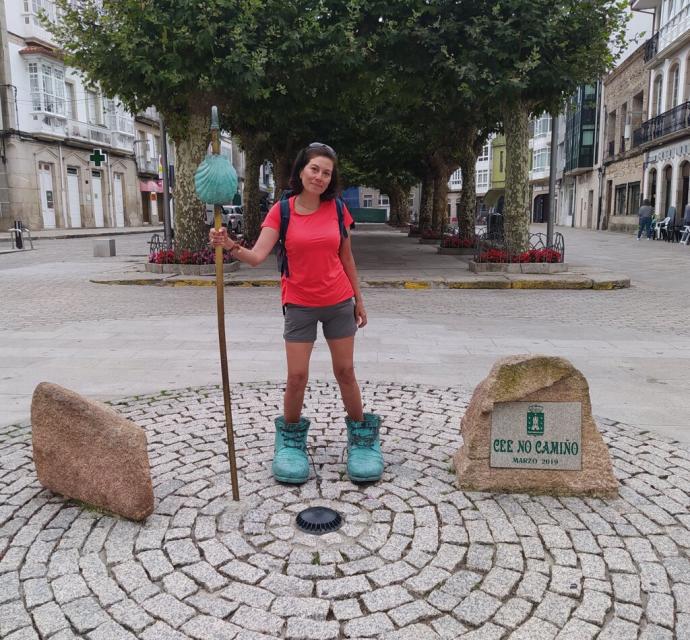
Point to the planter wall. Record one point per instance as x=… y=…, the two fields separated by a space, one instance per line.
x=190 y=269
x=516 y=267
x=456 y=251
x=429 y=240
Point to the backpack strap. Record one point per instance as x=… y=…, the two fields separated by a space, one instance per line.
x=281 y=251
x=339 y=206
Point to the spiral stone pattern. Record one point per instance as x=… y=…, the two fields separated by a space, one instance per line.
x=415 y=558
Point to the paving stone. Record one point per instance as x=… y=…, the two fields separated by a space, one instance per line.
x=111 y=631
x=346 y=609
x=513 y=613
x=245 y=594
x=179 y=585
x=386 y=598
x=578 y=630
x=131 y=615
x=480 y=556
x=212 y=605
x=182 y=552
x=617 y=629
x=155 y=563
x=85 y=614
x=412 y=612
x=593 y=607
x=660 y=609
x=131 y=576
x=426 y=580
x=287 y=585
x=535 y=629
x=500 y=582
x=532 y=586
x=304 y=629
x=169 y=609
x=555 y=608
x=487 y=631
x=162 y=631
x=681 y=593
x=654 y=632
x=36 y=591
x=626 y=588
x=477 y=608
x=49 y=618
x=396 y=572
x=374 y=625
x=413 y=632
x=27 y=633
x=209 y=628
x=619 y=560
x=69 y=587
x=259 y=620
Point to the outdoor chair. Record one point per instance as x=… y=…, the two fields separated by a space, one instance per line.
x=685 y=235
x=661 y=228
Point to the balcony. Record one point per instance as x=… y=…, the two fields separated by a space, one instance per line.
x=150 y=115
x=676 y=27
x=671 y=121
x=122 y=127
x=651 y=47
x=48 y=125
x=93 y=134
x=145 y=165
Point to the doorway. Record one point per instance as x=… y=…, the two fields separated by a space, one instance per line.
x=97 y=199
x=73 y=200
x=119 y=200
x=45 y=178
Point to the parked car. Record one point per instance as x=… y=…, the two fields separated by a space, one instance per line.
x=231 y=217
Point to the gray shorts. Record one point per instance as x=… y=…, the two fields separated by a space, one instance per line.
x=338 y=321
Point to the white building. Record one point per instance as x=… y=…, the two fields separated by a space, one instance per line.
x=482 y=182
x=52 y=126
x=540 y=157
x=665 y=134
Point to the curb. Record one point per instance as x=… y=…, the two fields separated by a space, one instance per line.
x=596 y=284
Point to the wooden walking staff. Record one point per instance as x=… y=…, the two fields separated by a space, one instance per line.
x=216 y=183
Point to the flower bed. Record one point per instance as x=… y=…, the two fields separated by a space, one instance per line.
x=450 y=241
x=198 y=263
x=529 y=256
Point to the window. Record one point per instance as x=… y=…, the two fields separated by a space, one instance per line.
x=71 y=97
x=32 y=9
x=484 y=155
x=542 y=125
x=619 y=201
x=633 y=198
x=383 y=200
x=94 y=107
x=47 y=84
x=482 y=178
x=456 y=179
x=657 y=95
x=540 y=159
x=368 y=201
x=500 y=162
x=676 y=82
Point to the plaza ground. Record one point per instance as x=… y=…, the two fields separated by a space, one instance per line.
x=112 y=341
x=416 y=558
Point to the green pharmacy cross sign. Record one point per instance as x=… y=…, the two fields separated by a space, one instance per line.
x=98 y=157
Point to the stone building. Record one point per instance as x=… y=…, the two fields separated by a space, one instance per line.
x=625 y=104
x=665 y=135
x=52 y=127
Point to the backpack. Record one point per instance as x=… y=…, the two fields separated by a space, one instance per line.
x=281 y=251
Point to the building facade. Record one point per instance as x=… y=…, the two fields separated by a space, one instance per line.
x=540 y=167
x=53 y=126
x=664 y=136
x=624 y=98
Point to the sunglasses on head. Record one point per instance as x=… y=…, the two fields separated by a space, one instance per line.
x=321 y=145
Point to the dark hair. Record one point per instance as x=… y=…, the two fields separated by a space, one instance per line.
x=303 y=157
x=646 y=202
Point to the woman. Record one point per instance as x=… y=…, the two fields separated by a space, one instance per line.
x=321 y=285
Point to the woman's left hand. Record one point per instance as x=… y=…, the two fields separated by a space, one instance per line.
x=360 y=314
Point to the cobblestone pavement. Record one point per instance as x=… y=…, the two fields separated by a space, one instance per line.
x=416 y=558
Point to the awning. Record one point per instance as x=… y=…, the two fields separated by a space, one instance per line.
x=151 y=185
x=491 y=196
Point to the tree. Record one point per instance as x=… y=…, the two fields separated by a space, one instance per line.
x=530 y=55
x=171 y=55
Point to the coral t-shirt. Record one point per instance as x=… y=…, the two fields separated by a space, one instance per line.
x=317 y=277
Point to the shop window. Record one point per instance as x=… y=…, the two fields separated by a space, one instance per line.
x=619 y=200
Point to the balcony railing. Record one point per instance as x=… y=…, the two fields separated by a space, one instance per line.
x=676 y=27
x=151 y=113
x=48 y=124
x=676 y=119
x=651 y=47
x=146 y=165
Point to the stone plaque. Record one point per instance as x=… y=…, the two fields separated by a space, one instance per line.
x=537 y=435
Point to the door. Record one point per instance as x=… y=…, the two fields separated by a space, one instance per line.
x=45 y=178
x=73 y=197
x=97 y=197
x=119 y=200
x=590 y=209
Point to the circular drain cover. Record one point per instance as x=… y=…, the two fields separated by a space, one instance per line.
x=318 y=520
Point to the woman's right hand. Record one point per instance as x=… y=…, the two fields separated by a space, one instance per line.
x=219 y=238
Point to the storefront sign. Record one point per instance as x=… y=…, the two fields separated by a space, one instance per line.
x=537 y=435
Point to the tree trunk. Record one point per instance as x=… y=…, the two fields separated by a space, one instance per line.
x=427 y=202
x=282 y=167
x=191 y=232
x=516 y=212
x=399 y=213
x=468 y=195
x=440 y=209
x=253 y=157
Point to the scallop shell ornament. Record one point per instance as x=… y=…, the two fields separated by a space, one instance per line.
x=215 y=180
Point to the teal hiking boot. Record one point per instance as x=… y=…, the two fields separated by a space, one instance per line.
x=364 y=459
x=290 y=463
